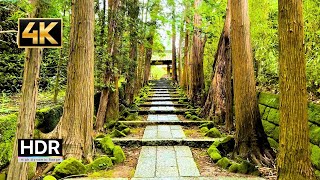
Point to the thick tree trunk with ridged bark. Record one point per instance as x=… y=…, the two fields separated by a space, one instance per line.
x=76 y=124
x=219 y=99
x=294 y=154
x=27 y=109
x=196 y=61
x=174 y=49
x=251 y=140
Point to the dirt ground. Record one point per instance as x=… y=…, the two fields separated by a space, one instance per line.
x=136 y=132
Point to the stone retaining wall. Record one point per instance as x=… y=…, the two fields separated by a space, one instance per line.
x=269 y=109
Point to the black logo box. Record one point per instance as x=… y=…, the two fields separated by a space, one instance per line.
x=32 y=142
x=55 y=32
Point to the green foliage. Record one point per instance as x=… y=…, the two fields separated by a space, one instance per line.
x=119 y=154
x=214 y=133
x=7 y=133
x=101 y=163
x=70 y=166
x=315 y=156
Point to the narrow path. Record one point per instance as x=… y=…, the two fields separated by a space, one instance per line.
x=169 y=162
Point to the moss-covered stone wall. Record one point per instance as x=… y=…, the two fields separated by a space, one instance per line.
x=46 y=121
x=269 y=109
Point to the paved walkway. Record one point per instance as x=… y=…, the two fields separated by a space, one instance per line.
x=165 y=162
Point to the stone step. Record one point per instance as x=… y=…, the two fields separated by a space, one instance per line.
x=169 y=90
x=161 y=105
x=134 y=142
x=163 y=88
x=175 y=111
x=164 y=99
x=162 y=92
x=146 y=123
x=164 y=96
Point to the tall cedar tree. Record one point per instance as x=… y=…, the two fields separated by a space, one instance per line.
x=76 y=124
x=196 y=61
x=219 y=99
x=174 y=49
x=109 y=99
x=251 y=140
x=27 y=110
x=294 y=153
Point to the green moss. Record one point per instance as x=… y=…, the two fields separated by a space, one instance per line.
x=214 y=133
x=315 y=135
x=274 y=144
x=49 y=177
x=188 y=116
x=274 y=116
x=69 y=167
x=48 y=118
x=117 y=133
x=314 y=113
x=194 y=117
x=215 y=156
x=32 y=169
x=266 y=113
x=234 y=167
x=121 y=127
x=268 y=127
x=262 y=108
x=212 y=148
x=317 y=173
x=204 y=130
x=126 y=131
x=101 y=163
x=223 y=163
x=209 y=125
x=246 y=168
x=226 y=145
x=111 y=124
x=119 y=154
x=100 y=136
x=315 y=156
x=107 y=145
x=275 y=134
x=2 y=176
x=268 y=99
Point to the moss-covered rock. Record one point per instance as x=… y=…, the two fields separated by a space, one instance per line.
x=188 y=116
x=275 y=133
x=273 y=116
x=223 y=162
x=32 y=169
x=315 y=135
x=214 y=153
x=265 y=114
x=117 y=133
x=212 y=148
x=119 y=154
x=99 y=136
x=317 y=173
x=100 y=164
x=48 y=118
x=268 y=99
x=315 y=156
x=234 y=167
x=69 y=167
x=314 y=113
x=107 y=145
x=209 y=125
x=268 y=127
x=274 y=144
x=121 y=127
x=111 y=124
x=126 y=131
x=262 y=108
x=226 y=146
x=246 y=168
x=49 y=177
x=204 y=130
x=194 y=117
x=214 y=133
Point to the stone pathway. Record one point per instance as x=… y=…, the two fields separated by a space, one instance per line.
x=165 y=162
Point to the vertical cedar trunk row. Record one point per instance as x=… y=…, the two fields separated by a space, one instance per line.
x=251 y=140
x=180 y=60
x=27 y=109
x=76 y=124
x=108 y=75
x=294 y=153
x=184 y=78
x=148 y=58
x=197 y=76
x=112 y=112
x=219 y=100
x=133 y=14
x=174 y=49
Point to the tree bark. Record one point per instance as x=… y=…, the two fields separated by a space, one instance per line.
x=293 y=160
x=197 y=75
x=148 y=57
x=27 y=109
x=251 y=140
x=219 y=99
x=76 y=124
x=174 y=49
